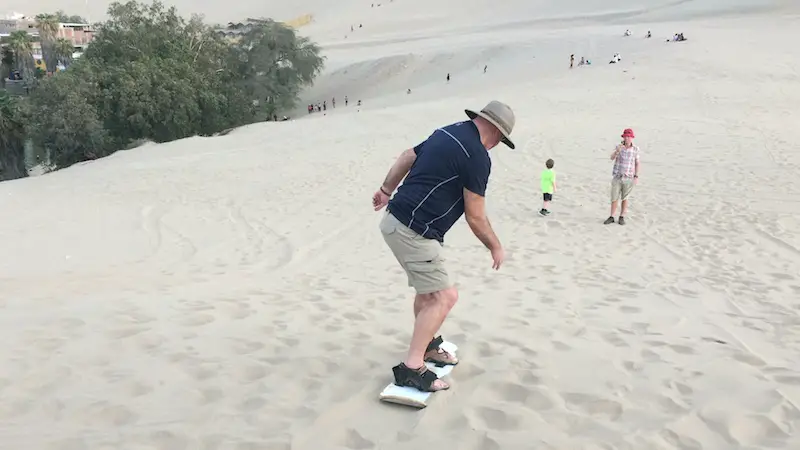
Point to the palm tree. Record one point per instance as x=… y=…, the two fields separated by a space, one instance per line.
x=48 y=25
x=12 y=139
x=21 y=44
x=63 y=50
x=6 y=63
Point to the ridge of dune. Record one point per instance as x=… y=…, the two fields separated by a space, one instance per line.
x=234 y=292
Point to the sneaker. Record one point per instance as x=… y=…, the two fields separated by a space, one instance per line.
x=621 y=220
x=542 y=212
x=546 y=212
x=609 y=220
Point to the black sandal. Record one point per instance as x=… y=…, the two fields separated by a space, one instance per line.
x=434 y=345
x=421 y=379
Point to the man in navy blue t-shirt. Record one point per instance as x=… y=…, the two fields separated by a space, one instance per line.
x=445 y=178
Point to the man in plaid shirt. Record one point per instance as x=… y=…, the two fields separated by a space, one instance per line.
x=624 y=175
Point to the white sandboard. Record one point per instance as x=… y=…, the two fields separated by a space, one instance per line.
x=409 y=396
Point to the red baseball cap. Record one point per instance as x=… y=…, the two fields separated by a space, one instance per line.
x=628 y=132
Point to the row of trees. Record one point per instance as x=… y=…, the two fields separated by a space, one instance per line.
x=149 y=74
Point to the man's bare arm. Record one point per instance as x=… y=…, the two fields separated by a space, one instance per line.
x=637 y=167
x=399 y=170
x=475 y=213
x=615 y=153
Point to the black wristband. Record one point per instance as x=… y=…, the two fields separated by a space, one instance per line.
x=385 y=193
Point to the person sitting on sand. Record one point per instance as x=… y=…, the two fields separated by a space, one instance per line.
x=447 y=178
x=627 y=32
x=615 y=59
x=648 y=34
x=624 y=174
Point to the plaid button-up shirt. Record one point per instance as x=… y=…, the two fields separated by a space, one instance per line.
x=625 y=164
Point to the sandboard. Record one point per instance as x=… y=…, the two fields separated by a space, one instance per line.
x=408 y=396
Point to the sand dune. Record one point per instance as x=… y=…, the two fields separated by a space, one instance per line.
x=234 y=292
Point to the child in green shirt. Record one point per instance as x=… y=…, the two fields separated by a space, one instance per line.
x=548 y=186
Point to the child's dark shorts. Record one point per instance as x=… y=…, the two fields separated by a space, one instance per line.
x=548 y=197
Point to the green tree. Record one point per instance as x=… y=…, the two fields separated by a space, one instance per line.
x=272 y=64
x=161 y=77
x=63 y=50
x=21 y=44
x=6 y=63
x=149 y=74
x=48 y=26
x=12 y=139
x=67 y=124
x=63 y=17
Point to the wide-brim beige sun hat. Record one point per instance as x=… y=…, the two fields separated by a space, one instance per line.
x=500 y=115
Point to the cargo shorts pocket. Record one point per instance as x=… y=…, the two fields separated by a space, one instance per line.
x=388 y=224
x=427 y=276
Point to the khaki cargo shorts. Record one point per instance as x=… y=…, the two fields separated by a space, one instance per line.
x=621 y=188
x=421 y=258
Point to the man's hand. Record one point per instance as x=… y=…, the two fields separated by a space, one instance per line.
x=475 y=213
x=379 y=200
x=498 y=256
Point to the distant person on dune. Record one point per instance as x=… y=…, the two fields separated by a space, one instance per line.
x=448 y=77
x=447 y=175
x=624 y=175
x=571 y=60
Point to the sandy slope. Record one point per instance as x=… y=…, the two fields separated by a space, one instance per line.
x=234 y=292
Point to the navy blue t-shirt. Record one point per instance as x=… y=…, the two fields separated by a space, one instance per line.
x=431 y=199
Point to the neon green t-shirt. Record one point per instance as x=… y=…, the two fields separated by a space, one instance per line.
x=548 y=179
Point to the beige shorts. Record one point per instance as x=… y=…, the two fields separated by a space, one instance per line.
x=621 y=188
x=421 y=258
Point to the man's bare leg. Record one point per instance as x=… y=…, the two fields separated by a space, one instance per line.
x=433 y=310
x=624 y=208
x=613 y=208
x=419 y=302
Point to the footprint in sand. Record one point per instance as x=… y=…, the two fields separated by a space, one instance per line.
x=496 y=419
x=354 y=316
x=749 y=359
x=252 y=404
x=679 y=441
x=252 y=373
x=108 y=414
x=594 y=406
x=558 y=345
x=681 y=388
x=615 y=340
x=355 y=441
x=197 y=320
x=793 y=380
x=682 y=349
x=630 y=309
x=211 y=395
x=246 y=347
x=512 y=392
x=126 y=332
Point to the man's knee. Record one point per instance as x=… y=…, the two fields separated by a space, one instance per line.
x=448 y=297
